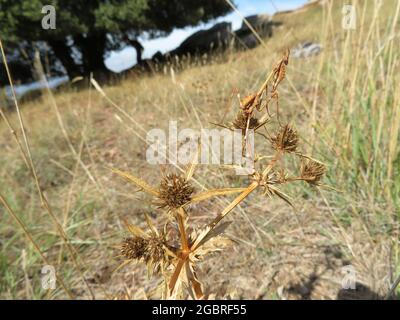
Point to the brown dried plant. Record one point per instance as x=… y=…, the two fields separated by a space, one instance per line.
x=176 y=259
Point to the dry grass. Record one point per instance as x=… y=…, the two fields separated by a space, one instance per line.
x=346 y=107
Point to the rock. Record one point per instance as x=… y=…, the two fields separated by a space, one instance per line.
x=206 y=40
x=306 y=50
x=260 y=22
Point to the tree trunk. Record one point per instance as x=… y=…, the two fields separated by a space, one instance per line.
x=63 y=53
x=139 y=50
x=92 y=47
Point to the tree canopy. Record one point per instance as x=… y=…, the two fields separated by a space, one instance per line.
x=87 y=29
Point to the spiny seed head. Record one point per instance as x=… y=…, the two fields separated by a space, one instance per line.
x=268 y=184
x=278 y=176
x=134 y=247
x=240 y=121
x=312 y=171
x=174 y=191
x=272 y=178
x=151 y=250
x=155 y=250
x=286 y=139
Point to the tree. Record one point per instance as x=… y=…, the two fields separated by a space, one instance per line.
x=86 y=30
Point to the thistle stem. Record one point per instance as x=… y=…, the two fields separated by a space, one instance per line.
x=246 y=192
x=175 y=275
x=182 y=230
x=234 y=203
x=272 y=163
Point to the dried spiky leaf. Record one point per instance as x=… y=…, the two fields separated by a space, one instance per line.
x=137 y=181
x=190 y=171
x=202 y=236
x=275 y=191
x=214 y=244
x=215 y=192
x=190 y=275
x=175 y=275
x=123 y=264
x=135 y=231
x=191 y=168
x=150 y=225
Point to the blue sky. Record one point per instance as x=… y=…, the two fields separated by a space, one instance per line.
x=126 y=58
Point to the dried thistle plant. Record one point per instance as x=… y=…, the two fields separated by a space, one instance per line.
x=177 y=258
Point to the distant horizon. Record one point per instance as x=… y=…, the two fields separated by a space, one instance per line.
x=118 y=61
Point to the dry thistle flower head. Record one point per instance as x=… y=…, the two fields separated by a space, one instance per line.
x=286 y=139
x=269 y=182
x=155 y=249
x=277 y=176
x=152 y=250
x=241 y=119
x=174 y=191
x=133 y=248
x=312 y=171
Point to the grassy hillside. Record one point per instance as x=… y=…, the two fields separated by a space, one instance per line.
x=345 y=104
